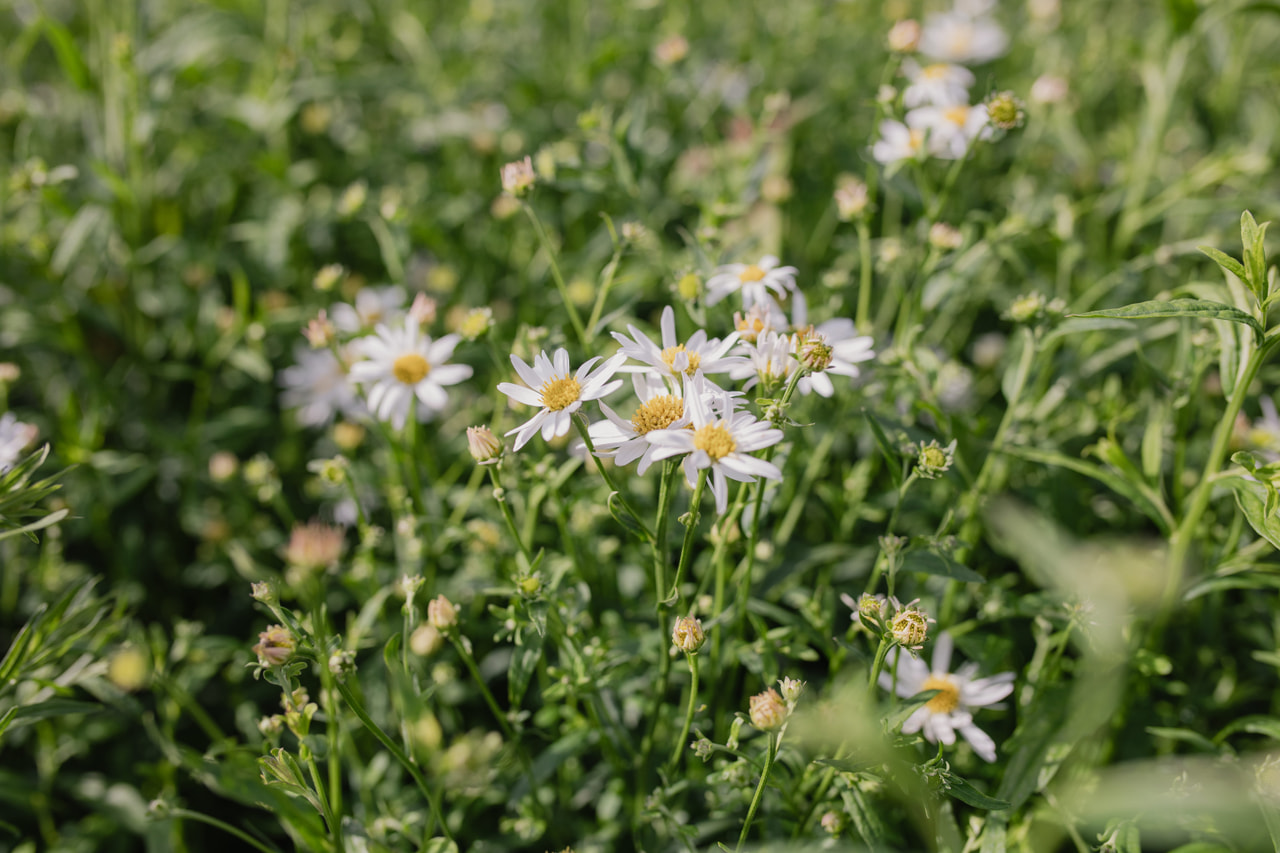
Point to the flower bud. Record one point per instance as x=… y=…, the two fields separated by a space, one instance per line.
x=833 y=823
x=767 y=710
x=518 y=177
x=223 y=465
x=904 y=36
x=319 y=332
x=342 y=663
x=815 y=353
x=851 y=199
x=423 y=310
x=688 y=636
x=485 y=447
x=425 y=641
x=476 y=323
x=909 y=627
x=327 y=277
x=1004 y=111
x=441 y=614
x=275 y=646
x=314 y=546
x=791 y=690
x=935 y=460
x=944 y=236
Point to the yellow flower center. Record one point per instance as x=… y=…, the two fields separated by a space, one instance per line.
x=934 y=72
x=751 y=273
x=714 y=439
x=410 y=368
x=948 y=696
x=669 y=359
x=659 y=413
x=957 y=115
x=560 y=393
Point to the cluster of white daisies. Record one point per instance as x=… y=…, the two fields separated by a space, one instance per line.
x=372 y=358
x=679 y=409
x=940 y=121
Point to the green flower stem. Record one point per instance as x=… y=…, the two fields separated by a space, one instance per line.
x=470 y=661
x=331 y=819
x=581 y=424
x=574 y=319
x=670 y=470
x=400 y=755
x=865 y=270
x=877 y=665
x=688 y=714
x=225 y=827
x=774 y=741
x=500 y=496
x=691 y=528
x=881 y=560
x=610 y=272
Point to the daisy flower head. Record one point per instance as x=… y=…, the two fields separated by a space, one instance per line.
x=959 y=37
x=659 y=409
x=757 y=282
x=672 y=360
x=941 y=84
x=898 y=143
x=557 y=391
x=770 y=361
x=402 y=364
x=759 y=320
x=848 y=349
x=317 y=386
x=951 y=130
x=373 y=305
x=15 y=436
x=959 y=693
x=719 y=439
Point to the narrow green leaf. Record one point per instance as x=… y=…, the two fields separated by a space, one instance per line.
x=1196 y=739
x=928 y=562
x=846 y=765
x=30 y=529
x=1254 y=725
x=1227 y=262
x=523 y=663
x=1200 y=308
x=892 y=458
x=964 y=792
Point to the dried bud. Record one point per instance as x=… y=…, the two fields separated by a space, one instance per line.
x=1004 y=110
x=518 y=177
x=275 y=646
x=441 y=614
x=485 y=447
x=688 y=635
x=319 y=332
x=767 y=710
x=904 y=36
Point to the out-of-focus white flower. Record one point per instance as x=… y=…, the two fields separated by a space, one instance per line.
x=317 y=386
x=769 y=361
x=940 y=84
x=904 y=36
x=1048 y=89
x=402 y=364
x=373 y=305
x=951 y=130
x=557 y=391
x=898 y=143
x=15 y=436
x=951 y=709
x=960 y=37
x=672 y=361
x=757 y=282
x=720 y=440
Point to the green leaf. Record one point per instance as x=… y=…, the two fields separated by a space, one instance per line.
x=1251 y=497
x=625 y=518
x=523 y=663
x=891 y=455
x=1196 y=739
x=928 y=562
x=846 y=765
x=30 y=529
x=1254 y=725
x=964 y=792
x=1200 y=308
x=1227 y=262
x=1253 y=236
x=440 y=845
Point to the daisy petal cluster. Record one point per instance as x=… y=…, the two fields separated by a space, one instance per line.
x=672 y=360
x=557 y=391
x=951 y=708
x=759 y=283
x=402 y=365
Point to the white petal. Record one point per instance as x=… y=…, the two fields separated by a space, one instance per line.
x=942 y=652
x=526 y=373
x=521 y=394
x=981 y=742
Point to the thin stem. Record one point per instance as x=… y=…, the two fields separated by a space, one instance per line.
x=611 y=270
x=764 y=778
x=574 y=319
x=225 y=827
x=335 y=826
x=484 y=688
x=877 y=665
x=499 y=495
x=581 y=424
x=863 y=315
x=688 y=714
x=686 y=547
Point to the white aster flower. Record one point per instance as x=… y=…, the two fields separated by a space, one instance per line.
x=15 y=436
x=960 y=37
x=755 y=281
x=941 y=84
x=373 y=305
x=769 y=361
x=317 y=386
x=951 y=130
x=660 y=408
x=672 y=360
x=719 y=439
x=402 y=365
x=558 y=392
x=950 y=710
x=898 y=143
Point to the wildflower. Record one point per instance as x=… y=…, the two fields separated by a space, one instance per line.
x=670 y=50
x=910 y=626
x=934 y=460
x=941 y=84
x=951 y=130
x=767 y=710
x=314 y=546
x=755 y=281
x=851 y=199
x=944 y=236
x=1004 y=109
x=721 y=444
x=904 y=36
x=958 y=37
x=423 y=310
x=672 y=360
x=402 y=364
x=476 y=323
x=15 y=436
x=1048 y=89
x=689 y=286
x=848 y=350
x=688 y=636
x=317 y=386
x=425 y=641
x=441 y=614
x=559 y=393
x=898 y=143
x=275 y=646
x=223 y=465
x=484 y=446
x=791 y=690
x=319 y=331
x=813 y=352
x=758 y=321
x=950 y=710
x=625 y=439
x=518 y=177
x=769 y=362
x=373 y=305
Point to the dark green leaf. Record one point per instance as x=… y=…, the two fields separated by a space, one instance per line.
x=928 y=562
x=1200 y=308
x=966 y=793
x=891 y=455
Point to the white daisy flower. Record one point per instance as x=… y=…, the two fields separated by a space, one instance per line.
x=959 y=37
x=950 y=710
x=403 y=364
x=898 y=143
x=373 y=305
x=755 y=281
x=770 y=360
x=672 y=360
x=15 y=436
x=317 y=386
x=719 y=439
x=660 y=408
x=951 y=130
x=941 y=84
x=559 y=392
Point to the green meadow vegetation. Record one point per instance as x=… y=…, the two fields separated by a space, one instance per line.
x=634 y=425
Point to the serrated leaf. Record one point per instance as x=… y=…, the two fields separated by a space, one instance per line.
x=1227 y=262
x=1199 y=308
x=961 y=790
x=928 y=562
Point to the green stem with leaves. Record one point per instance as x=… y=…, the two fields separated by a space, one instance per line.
x=688 y=714
x=774 y=741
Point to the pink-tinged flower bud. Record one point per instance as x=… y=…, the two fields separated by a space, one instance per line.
x=275 y=646
x=767 y=710
x=319 y=331
x=904 y=36
x=486 y=448
x=518 y=177
x=441 y=614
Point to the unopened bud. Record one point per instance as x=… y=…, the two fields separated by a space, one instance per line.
x=441 y=614
x=319 y=332
x=425 y=641
x=485 y=447
x=910 y=627
x=688 y=636
x=1004 y=110
x=767 y=710
x=275 y=646
x=944 y=236
x=851 y=199
x=904 y=36
x=518 y=177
